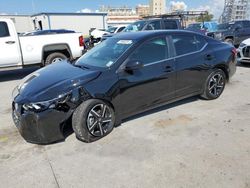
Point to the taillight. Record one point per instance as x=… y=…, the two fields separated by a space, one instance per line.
x=234 y=52
x=81 y=41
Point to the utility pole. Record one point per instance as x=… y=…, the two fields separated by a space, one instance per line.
x=33 y=6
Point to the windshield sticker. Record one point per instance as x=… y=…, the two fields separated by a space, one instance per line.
x=125 y=42
x=109 y=63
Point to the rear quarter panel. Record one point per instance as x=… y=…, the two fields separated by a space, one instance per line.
x=224 y=57
x=32 y=46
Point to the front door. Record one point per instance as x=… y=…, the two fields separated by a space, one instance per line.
x=10 y=54
x=151 y=84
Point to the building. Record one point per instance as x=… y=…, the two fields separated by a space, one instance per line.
x=79 y=22
x=157 y=7
x=241 y=9
x=23 y=23
x=118 y=11
x=120 y=15
x=122 y=20
x=235 y=10
x=142 y=10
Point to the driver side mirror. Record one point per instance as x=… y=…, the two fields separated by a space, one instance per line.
x=133 y=65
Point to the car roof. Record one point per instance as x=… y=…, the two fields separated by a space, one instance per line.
x=141 y=35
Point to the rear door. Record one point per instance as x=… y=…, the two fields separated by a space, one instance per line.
x=9 y=47
x=192 y=58
x=150 y=85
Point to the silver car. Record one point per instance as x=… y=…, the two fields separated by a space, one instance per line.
x=243 y=55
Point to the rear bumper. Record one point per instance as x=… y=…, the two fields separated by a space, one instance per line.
x=41 y=128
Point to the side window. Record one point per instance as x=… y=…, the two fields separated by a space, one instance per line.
x=156 y=25
x=185 y=44
x=4 y=31
x=170 y=24
x=151 y=51
x=200 y=42
x=120 y=29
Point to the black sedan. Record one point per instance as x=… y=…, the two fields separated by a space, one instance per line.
x=126 y=74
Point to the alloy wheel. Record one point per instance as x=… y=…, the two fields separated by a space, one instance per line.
x=58 y=59
x=100 y=120
x=216 y=85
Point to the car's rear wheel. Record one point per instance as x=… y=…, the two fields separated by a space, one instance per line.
x=92 y=120
x=214 y=85
x=54 y=57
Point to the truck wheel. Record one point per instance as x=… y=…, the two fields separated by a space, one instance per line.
x=92 y=120
x=54 y=57
x=214 y=85
x=229 y=41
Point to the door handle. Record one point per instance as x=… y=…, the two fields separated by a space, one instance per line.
x=168 y=69
x=10 y=42
x=209 y=57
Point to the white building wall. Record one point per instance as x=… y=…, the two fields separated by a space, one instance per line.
x=157 y=7
x=78 y=23
x=22 y=23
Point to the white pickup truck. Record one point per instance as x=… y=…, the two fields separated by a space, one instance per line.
x=21 y=51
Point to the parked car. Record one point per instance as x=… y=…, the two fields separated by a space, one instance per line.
x=46 y=32
x=122 y=76
x=36 y=50
x=203 y=28
x=233 y=32
x=244 y=52
x=116 y=29
x=150 y=24
x=97 y=34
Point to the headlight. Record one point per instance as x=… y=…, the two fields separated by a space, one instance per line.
x=62 y=103
x=50 y=104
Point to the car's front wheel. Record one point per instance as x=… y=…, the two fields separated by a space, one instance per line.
x=214 y=85
x=92 y=120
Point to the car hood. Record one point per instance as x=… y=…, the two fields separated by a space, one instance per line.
x=52 y=81
x=222 y=31
x=247 y=41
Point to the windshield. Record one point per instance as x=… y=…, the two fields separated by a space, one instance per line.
x=105 y=54
x=214 y=27
x=194 y=26
x=111 y=29
x=137 y=26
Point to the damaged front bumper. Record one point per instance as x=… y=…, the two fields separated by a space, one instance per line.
x=40 y=128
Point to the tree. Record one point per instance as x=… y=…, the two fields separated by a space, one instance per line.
x=205 y=18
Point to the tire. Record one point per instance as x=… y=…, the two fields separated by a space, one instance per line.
x=89 y=124
x=214 y=85
x=229 y=41
x=54 y=57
